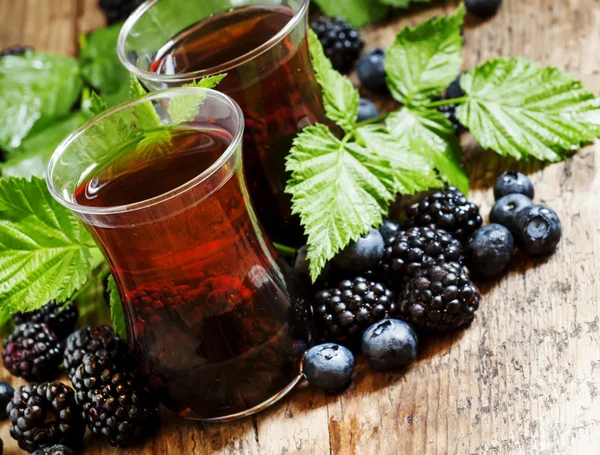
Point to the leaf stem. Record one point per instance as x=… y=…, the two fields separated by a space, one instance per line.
x=460 y=100
x=379 y=118
x=284 y=250
x=100 y=276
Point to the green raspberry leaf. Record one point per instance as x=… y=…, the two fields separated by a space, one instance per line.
x=519 y=109
x=423 y=60
x=339 y=189
x=185 y=109
x=358 y=12
x=429 y=133
x=45 y=252
x=35 y=91
x=340 y=98
x=116 y=309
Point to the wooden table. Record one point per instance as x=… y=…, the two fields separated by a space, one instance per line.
x=525 y=377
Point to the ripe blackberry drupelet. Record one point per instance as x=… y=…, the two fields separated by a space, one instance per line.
x=418 y=248
x=448 y=210
x=115 y=404
x=45 y=414
x=343 y=313
x=60 y=320
x=439 y=299
x=341 y=42
x=99 y=340
x=32 y=352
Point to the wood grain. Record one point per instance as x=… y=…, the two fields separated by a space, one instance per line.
x=525 y=377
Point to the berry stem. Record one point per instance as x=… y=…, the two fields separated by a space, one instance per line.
x=460 y=100
x=284 y=250
x=379 y=118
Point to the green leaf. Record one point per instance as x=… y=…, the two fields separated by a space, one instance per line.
x=429 y=133
x=185 y=109
x=32 y=156
x=35 y=90
x=423 y=60
x=145 y=115
x=358 y=12
x=339 y=189
x=402 y=3
x=116 y=309
x=519 y=109
x=100 y=65
x=340 y=98
x=412 y=172
x=45 y=252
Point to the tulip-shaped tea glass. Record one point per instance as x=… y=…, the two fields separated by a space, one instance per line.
x=263 y=48
x=214 y=319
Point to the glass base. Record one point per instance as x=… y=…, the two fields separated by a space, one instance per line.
x=259 y=407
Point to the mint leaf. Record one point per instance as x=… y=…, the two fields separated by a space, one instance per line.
x=32 y=156
x=424 y=60
x=35 y=90
x=358 y=12
x=100 y=65
x=45 y=252
x=429 y=133
x=145 y=115
x=339 y=190
x=340 y=98
x=412 y=172
x=519 y=109
x=116 y=309
x=185 y=109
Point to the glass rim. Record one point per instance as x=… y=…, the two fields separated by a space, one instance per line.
x=217 y=69
x=64 y=146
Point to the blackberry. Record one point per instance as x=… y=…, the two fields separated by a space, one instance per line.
x=15 y=50
x=42 y=415
x=439 y=299
x=57 y=449
x=60 y=320
x=115 y=404
x=341 y=42
x=418 y=248
x=32 y=352
x=118 y=10
x=454 y=90
x=343 y=313
x=6 y=394
x=448 y=210
x=92 y=340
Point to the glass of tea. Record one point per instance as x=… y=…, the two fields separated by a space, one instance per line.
x=263 y=48
x=215 y=320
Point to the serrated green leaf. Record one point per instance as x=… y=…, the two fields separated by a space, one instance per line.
x=185 y=109
x=32 y=156
x=423 y=60
x=429 y=133
x=146 y=117
x=116 y=309
x=45 y=252
x=339 y=190
x=340 y=98
x=358 y=12
x=100 y=65
x=35 y=90
x=97 y=104
x=412 y=172
x=519 y=109
x=402 y=3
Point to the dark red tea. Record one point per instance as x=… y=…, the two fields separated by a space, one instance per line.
x=210 y=317
x=276 y=90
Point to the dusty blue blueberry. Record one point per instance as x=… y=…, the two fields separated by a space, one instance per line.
x=366 y=110
x=371 y=71
x=506 y=208
x=513 y=182
x=364 y=254
x=489 y=251
x=328 y=366
x=389 y=344
x=538 y=229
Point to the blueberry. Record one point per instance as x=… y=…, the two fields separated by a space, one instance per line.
x=6 y=394
x=361 y=255
x=328 y=366
x=538 y=229
x=489 y=250
x=506 y=208
x=371 y=72
x=513 y=182
x=388 y=229
x=454 y=90
x=483 y=8
x=301 y=265
x=366 y=110
x=389 y=344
